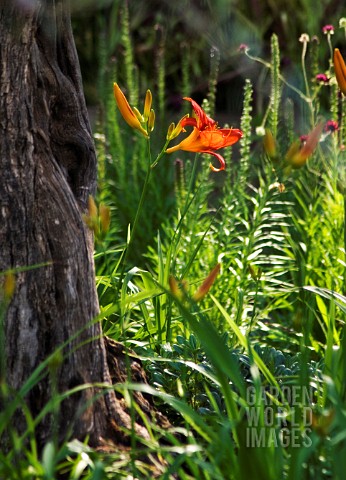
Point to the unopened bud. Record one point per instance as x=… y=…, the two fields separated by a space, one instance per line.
x=91 y=217
x=138 y=114
x=340 y=70
x=174 y=130
x=207 y=284
x=174 y=287
x=9 y=285
x=105 y=217
x=92 y=208
x=255 y=273
x=269 y=144
x=151 y=120
x=147 y=105
x=296 y=157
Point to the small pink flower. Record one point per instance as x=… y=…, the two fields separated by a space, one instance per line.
x=331 y=126
x=303 y=138
x=243 y=48
x=322 y=78
x=328 y=29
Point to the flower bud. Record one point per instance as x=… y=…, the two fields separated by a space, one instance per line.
x=151 y=120
x=175 y=130
x=296 y=157
x=147 y=105
x=207 y=284
x=269 y=144
x=340 y=70
x=138 y=114
x=105 y=218
x=9 y=285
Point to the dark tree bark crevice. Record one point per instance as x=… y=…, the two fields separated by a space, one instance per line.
x=48 y=170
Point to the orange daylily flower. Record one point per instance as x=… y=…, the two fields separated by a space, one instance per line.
x=130 y=115
x=340 y=70
x=206 y=136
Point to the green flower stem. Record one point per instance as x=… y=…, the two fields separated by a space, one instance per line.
x=137 y=216
x=307 y=88
x=269 y=65
x=160 y=155
x=140 y=206
x=329 y=40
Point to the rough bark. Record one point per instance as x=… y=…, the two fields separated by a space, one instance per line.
x=48 y=170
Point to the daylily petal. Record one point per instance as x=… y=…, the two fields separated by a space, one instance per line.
x=203 y=120
x=189 y=122
x=221 y=161
x=189 y=144
x=220 y=138
x=340 y=70
x=126 y=111
x=312 y=140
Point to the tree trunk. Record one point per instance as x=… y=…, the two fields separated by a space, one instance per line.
x=48 y=170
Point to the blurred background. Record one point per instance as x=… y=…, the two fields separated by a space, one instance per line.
x=171 y=37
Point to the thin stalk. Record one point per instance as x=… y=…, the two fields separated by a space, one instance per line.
x=137 y=216
x=307 y=88
x=289 y=85
x=171 y=255
x=150 y=166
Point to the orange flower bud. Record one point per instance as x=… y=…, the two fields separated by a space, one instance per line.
x=296 y=157
x=9 y=285
x=174 y=287
x=269 y=144
x=91 y=217
x=151 y=120
x=147 y=105
x=138 y=114
x=128 y=113
x=92 y=208
x=175 y=130
x=207 y=284
x=105 y=217
x=340 y=70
